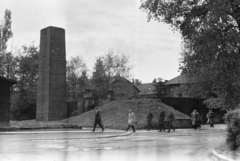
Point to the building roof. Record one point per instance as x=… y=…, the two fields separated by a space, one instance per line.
x=119 y=78
x=114 y=79
x=181 y=79
x=147 y=88
x=11 y=81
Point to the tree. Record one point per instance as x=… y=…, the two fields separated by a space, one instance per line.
x=8 y=66
x=116 y=64
x=5 y=35
x=108 y=67
x=76 y=78
x=210 y=32
x=26 y=74
x=154 y=80
x=99 y=80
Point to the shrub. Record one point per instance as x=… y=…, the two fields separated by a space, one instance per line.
x=232 y=119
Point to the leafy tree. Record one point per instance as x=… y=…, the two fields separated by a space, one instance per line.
x=8 y=66
x=108 y=67
x=210 y=32
x=116 y=64
x=99 y=80
x=76 y=78
x=26 y=74
x=5 y=35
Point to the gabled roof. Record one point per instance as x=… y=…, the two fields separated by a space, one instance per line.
x=119 y=78
x=12 y=82
x=181 y=79
x=147 y=88
x=112 y=80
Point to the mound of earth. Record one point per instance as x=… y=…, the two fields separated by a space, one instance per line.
x=115 y=114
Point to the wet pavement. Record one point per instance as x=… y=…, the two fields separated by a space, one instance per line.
x=72 y=144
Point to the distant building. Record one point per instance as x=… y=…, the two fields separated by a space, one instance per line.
x=173 y=86
x=123 y=88
x=147 y=90
x=5 y=92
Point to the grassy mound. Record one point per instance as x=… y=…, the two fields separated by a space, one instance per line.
x=115 y=114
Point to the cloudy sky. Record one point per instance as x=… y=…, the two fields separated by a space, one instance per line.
x=93 y=27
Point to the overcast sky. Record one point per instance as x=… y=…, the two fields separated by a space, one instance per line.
x=93 y=27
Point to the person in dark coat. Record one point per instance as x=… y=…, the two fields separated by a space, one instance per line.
x=161 y=120
x=98 y=119
x=149 y=119
x=170 y=119
x=196 y=119
x=210 y=116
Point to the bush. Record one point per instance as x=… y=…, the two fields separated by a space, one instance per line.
x=232 y=119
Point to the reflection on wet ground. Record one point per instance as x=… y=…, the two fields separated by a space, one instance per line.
x=184 y=144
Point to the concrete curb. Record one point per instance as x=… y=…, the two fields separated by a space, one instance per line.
x=37 y=128
x=77 y=138
x=103 y=137
x=221 y=156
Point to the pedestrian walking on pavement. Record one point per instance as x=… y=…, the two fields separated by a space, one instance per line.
x=149 y=119
x=210 y=116
x=98 y=119
x=196 y=119
x=131 y=120
x=161 y=119
x=170 y=119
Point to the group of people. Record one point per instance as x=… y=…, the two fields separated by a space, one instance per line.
x=132 y=122
x=161 y=119
x=197 y=120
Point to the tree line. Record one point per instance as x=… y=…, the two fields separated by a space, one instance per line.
x=22 y=65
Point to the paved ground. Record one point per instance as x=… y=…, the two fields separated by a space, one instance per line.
x=68 y=145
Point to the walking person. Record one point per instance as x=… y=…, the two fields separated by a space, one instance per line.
x=161 y=119
x=199 y=120
x=98 y=119
x=149 y=119
x=210 y=117
x=131 y=120
x=170 y=119
x=196 y=120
